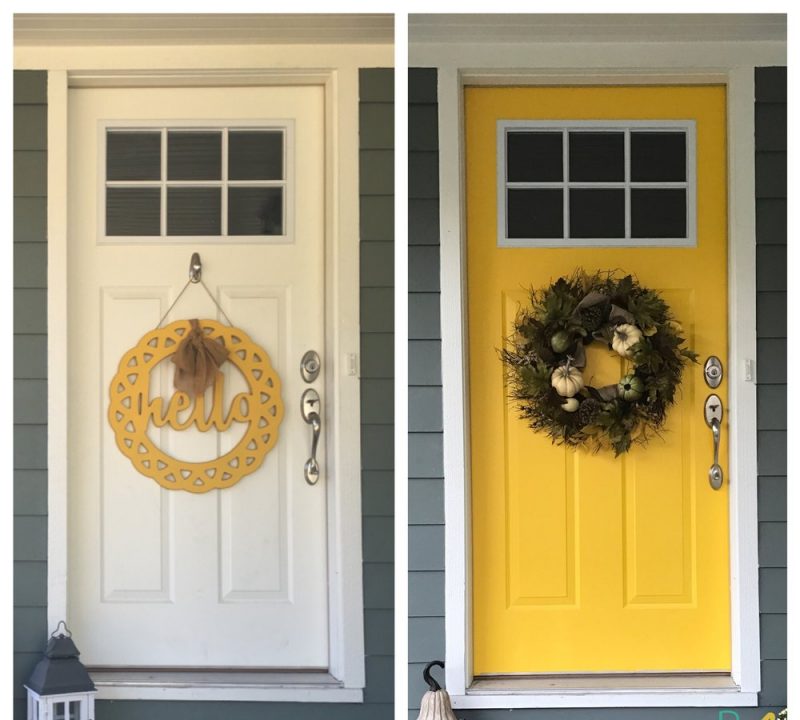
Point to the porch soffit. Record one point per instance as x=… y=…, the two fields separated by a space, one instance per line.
x=87 y=29
x=560 y=28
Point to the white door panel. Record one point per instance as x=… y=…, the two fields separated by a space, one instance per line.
x=234 y=577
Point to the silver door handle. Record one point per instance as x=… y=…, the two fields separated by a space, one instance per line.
x=715 y=471
x=713 y=417
x=310 y=407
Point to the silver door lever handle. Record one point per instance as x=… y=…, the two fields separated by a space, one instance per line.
x=310 y=408
x=713 y=417
x=715 y=471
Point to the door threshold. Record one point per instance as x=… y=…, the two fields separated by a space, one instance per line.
x=608 y=690
x=616 y=682
x=212 y=677
x=223 y=684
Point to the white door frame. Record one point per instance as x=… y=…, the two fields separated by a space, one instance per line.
x=70 y=66
x=601 y=63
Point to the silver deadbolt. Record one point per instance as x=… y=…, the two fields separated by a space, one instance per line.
x=712 y=371
x=310 y=366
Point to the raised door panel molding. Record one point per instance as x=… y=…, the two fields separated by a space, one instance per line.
x=136 y=547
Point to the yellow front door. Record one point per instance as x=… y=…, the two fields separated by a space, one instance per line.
x=582 y=562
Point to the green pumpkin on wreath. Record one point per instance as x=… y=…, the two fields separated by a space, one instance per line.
x=561 y=341
x=631 y=388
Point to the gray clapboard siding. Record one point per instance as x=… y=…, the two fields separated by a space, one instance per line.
x=425 y=485
x=30 y=219
x=377 y=372
x=30 y=375
x=772 y=498
x=771 y=221
x=376 y=130
x=425 y=362
x=30 y=492
x=426 y=531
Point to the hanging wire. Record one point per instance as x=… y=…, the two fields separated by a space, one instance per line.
x=193 y=281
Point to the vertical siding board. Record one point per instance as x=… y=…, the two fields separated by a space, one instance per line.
x=426 y=582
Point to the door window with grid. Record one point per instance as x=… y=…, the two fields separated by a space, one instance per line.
x=189 y=183
x=593 y=183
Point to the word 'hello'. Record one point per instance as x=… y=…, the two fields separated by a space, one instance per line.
x=153 y=410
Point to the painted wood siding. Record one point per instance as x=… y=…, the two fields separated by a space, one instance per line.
x=377 y=370
x=426 y=514
x=770 y=114
x=30 y=376
x=377 y=389
x=425 y=484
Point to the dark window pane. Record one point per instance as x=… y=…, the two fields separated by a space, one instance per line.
x=133 y=155
x=658 y=156
x=534 y=157
x=133 y=211
x=194 y=211
x=194 y=155
x=596 y=156
x=255 y=211
x=597 y=213
x=658 y=213
x=255 y=155
x=535 y=213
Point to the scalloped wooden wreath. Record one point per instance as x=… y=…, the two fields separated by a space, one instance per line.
x=131 y=409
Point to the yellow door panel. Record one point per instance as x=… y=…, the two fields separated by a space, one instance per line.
x=582 y=562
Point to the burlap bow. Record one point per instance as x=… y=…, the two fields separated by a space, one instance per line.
x=197 y=361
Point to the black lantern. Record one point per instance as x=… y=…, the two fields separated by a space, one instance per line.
x=59 y=687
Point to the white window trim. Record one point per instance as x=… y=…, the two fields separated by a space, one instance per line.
x=126 y=66
x=602 y=63
x=564 y=126
x=286 y=127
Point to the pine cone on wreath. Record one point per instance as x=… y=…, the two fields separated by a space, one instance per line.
x=592 y=317
x=588 y=411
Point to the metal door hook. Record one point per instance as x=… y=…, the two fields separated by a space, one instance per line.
x=195 y=268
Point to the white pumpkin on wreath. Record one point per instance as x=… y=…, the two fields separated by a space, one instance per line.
x=567 y=380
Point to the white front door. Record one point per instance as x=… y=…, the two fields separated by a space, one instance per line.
x=233 y=577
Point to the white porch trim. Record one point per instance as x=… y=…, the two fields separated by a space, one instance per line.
x=245 y=64
x=587 y=62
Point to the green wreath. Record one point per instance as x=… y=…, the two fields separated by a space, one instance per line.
x=545 y=357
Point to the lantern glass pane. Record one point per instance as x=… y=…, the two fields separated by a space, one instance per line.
x=59 y=711
x=74 y=710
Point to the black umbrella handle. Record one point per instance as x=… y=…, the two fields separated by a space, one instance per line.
x=428 y=678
